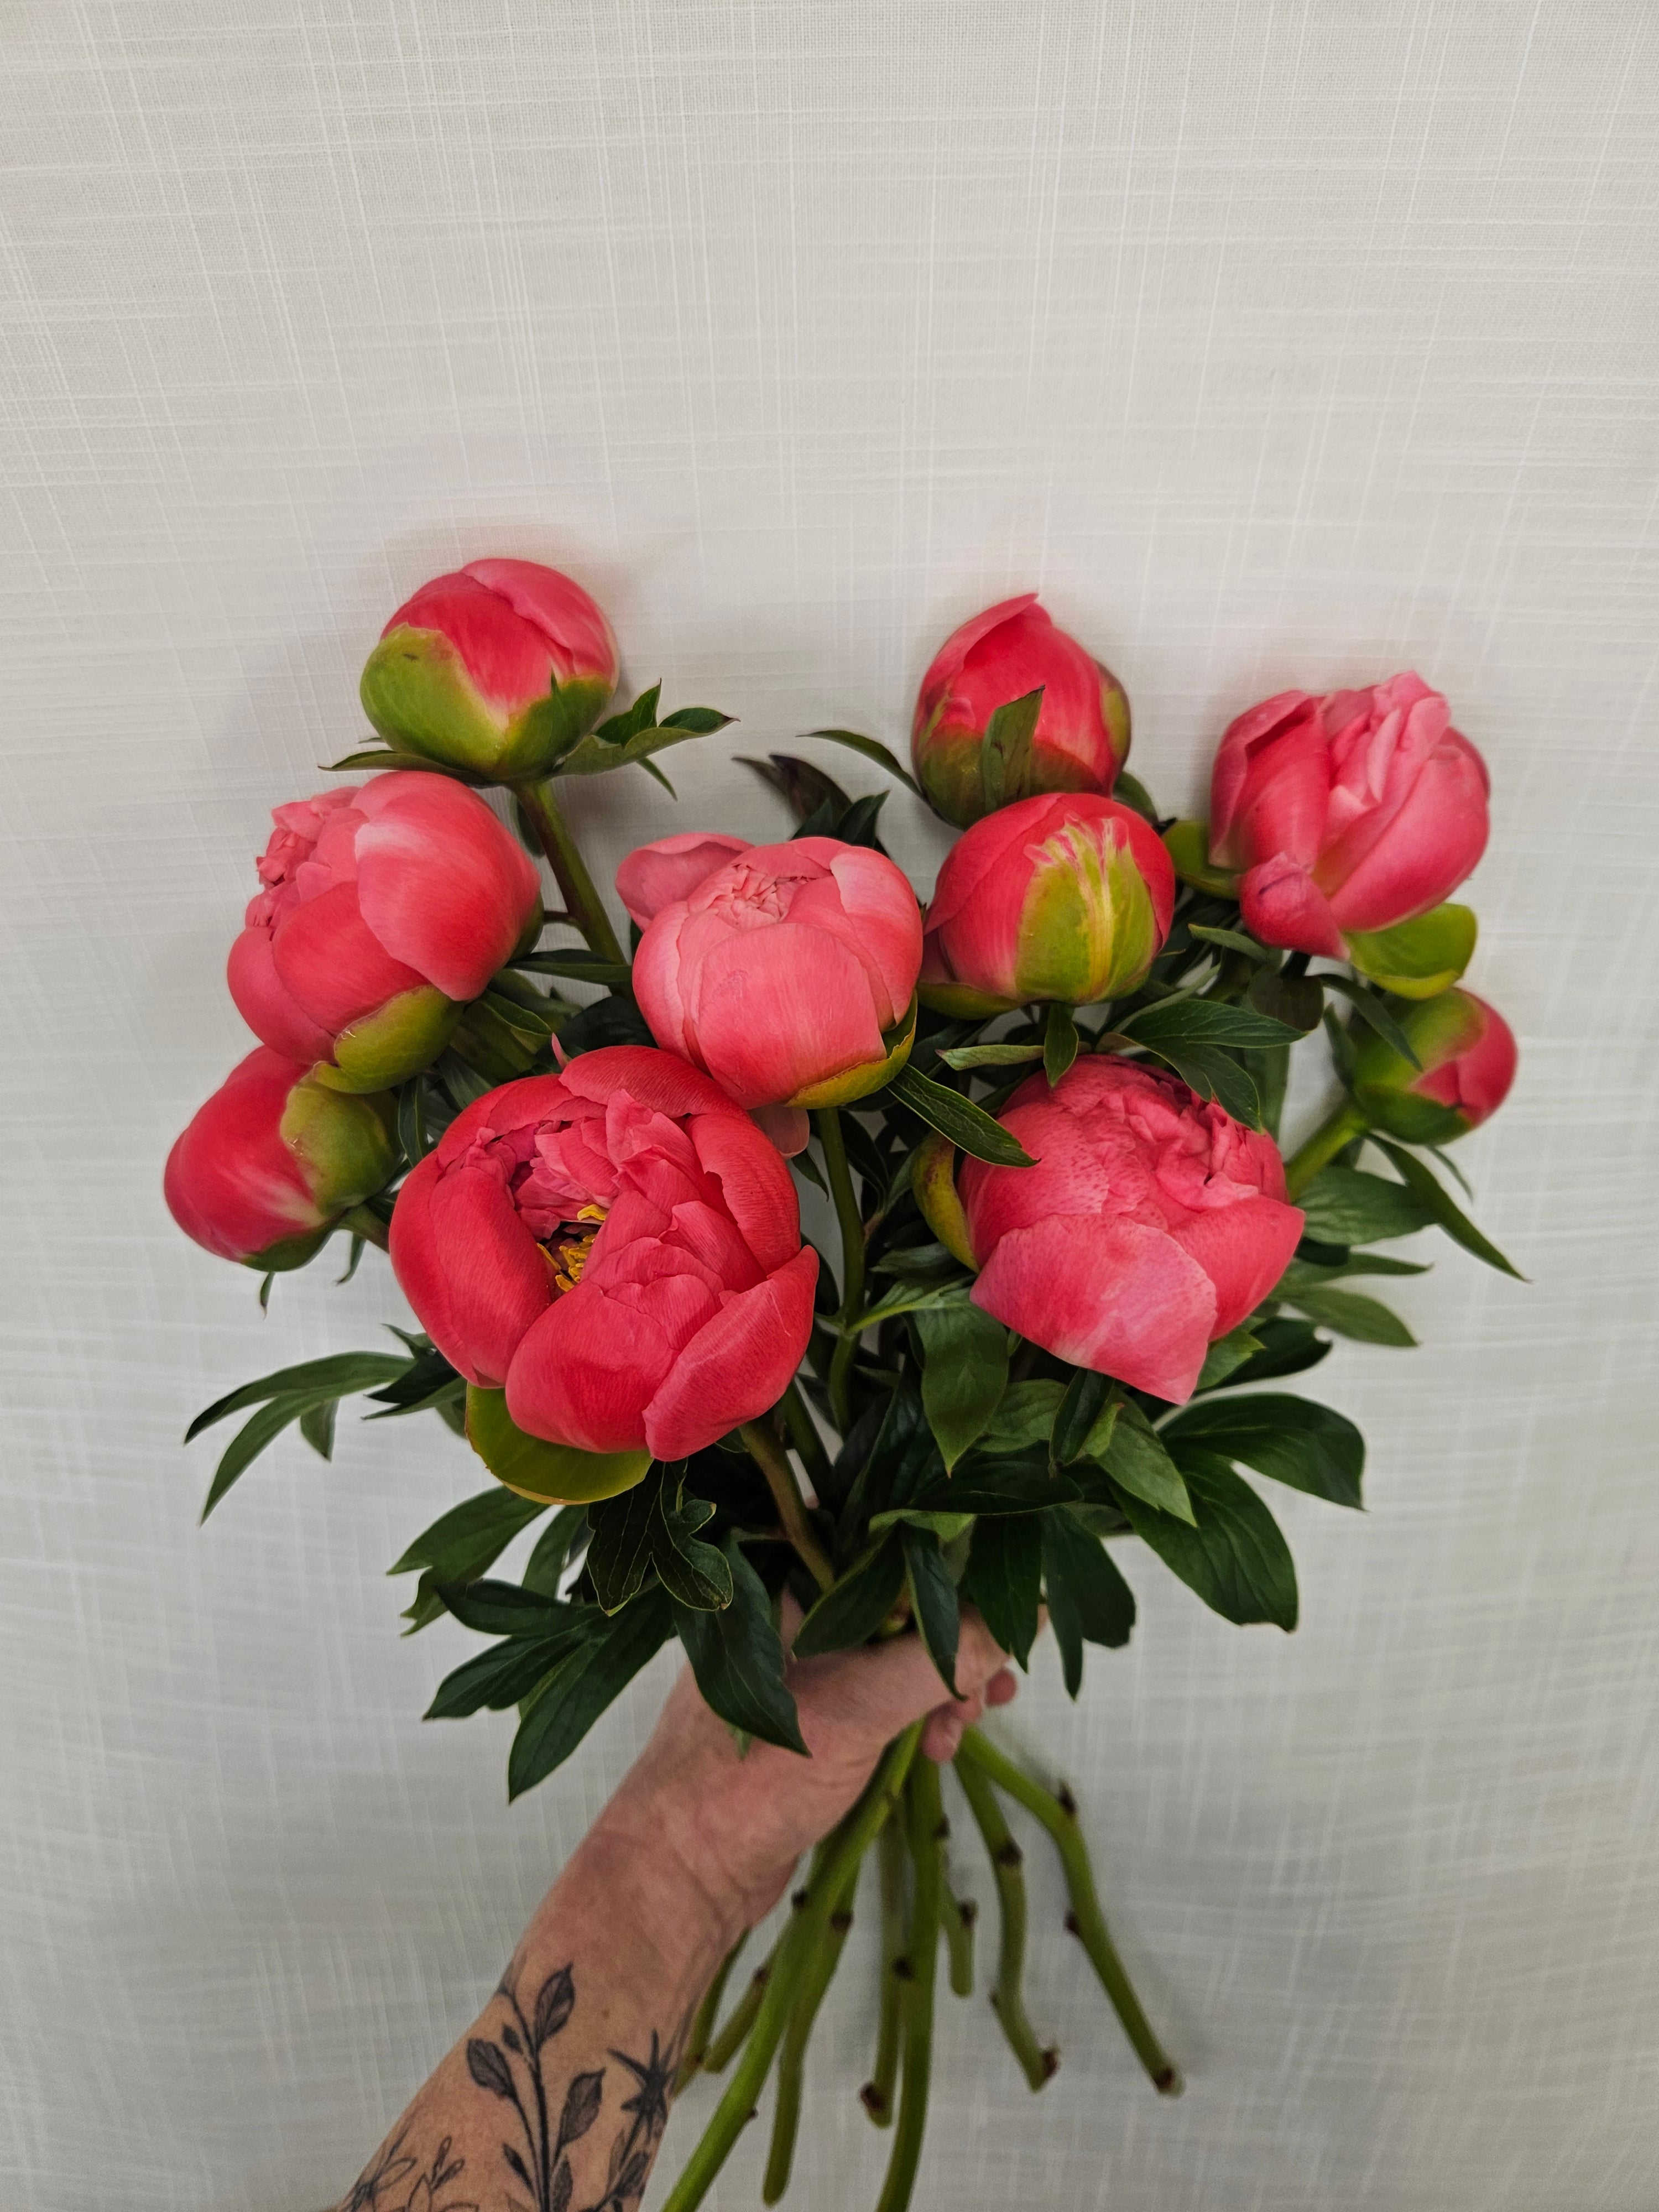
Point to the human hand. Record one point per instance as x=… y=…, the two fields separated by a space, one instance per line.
x=734 y=1826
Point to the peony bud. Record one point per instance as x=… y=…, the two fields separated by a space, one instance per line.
x=1152 y=1225
x=788 y=974
x=275 y=1157
x=1079 y=738
x=387 y=906
x=1468 y=1054
x=500 y=668
x=1059 y=898
x=1347 y=815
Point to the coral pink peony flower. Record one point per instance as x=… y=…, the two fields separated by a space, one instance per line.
x=387 y=907
x=1082 y=734
x=1346 y=814
x=653 y=875
x=619 y=1246
x=788 y=974
x=274 y=1159
x=1152 y=1225
x=498 y=668
x=1066 y=898
x=1468 y=1057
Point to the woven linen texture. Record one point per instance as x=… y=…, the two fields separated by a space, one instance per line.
x=1282 y=341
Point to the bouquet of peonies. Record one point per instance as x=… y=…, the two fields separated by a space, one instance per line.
x=1045 y=1113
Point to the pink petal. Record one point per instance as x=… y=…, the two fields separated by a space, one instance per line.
x=738 y=1365
x=445 y=887
x=1114 y=1296
x=1243 y=1248
x=756 y=1187
x=654 y=876
x=1281 y=904
x=584 y=1374
x=265 y=1004
x=331 y=964
x=774 y=1011
x=1432 y=844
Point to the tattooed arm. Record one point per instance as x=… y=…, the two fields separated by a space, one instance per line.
x=556 y=2100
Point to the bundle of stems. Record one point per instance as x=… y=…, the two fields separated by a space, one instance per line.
x=901 y=1819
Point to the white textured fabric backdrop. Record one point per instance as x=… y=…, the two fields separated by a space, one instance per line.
x=1291 y=341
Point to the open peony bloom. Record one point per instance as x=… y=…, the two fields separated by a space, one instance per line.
x=497 y=668
x=1468 y=1057
x=1082 y=734
x=1063 y=898
x=788 y=974
x=1152 y=1225
x=387 y=907
x=273 y=1159
x=1346 y=814
x=619 y=1246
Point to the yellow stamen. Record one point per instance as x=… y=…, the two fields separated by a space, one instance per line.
x=569 y=1256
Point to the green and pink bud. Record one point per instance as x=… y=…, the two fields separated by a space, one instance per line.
x=384 y=909
x=272 y=1161
x=1013 y=708
x=1064 y=899
x=1468 y=1057
x=500 y=668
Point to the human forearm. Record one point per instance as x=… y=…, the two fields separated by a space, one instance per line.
x=556 y=2097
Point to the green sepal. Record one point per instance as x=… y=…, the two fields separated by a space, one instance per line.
x=557 y=1474
x=1187 y=844
x=1417 y=959
x=396 y=1041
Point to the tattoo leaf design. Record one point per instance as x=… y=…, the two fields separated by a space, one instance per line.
x=581 y=2105
x=485 y=2063
x=383 y=2179
x=559 y=2195
x=553 y=2007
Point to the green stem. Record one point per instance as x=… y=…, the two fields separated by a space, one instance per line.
x=703 y=2026
x=960 y=1914
x=582 y=902
x=735 y=2033
x=828 y=1120
x=770 y=1455
x=1007 y=1997
x=876 y=2095
x=1085 y=1920
x=925 y=1823
x=803 y=1435
x=1339 y=1129
x=362 y=1221
x=820 y=1972
x=851 y=1841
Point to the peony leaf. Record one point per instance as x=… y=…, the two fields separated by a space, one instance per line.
x=1004 y=1578
x=872 y=750
x=580 y=1688
x=1444 y=1210
x=964 y=1373
x=1293 y=1440
x=933 y=1600
x=1367 y=1320
x=1089 y=1600
x=969 y=1128
x=1236 y=1559
x=737 y=1658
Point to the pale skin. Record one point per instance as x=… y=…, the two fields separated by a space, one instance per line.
x=556 y=2099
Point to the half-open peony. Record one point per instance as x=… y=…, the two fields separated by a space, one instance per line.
x=273 y=1159
x=788 y=974
x=1066 y=898
x=653 y=875
x=1081 y=735
x=619 y=1246
x=1152 y=1225
x=1468 y=1056
x=1346 y=815
x=387 y=907
x=498 y=668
